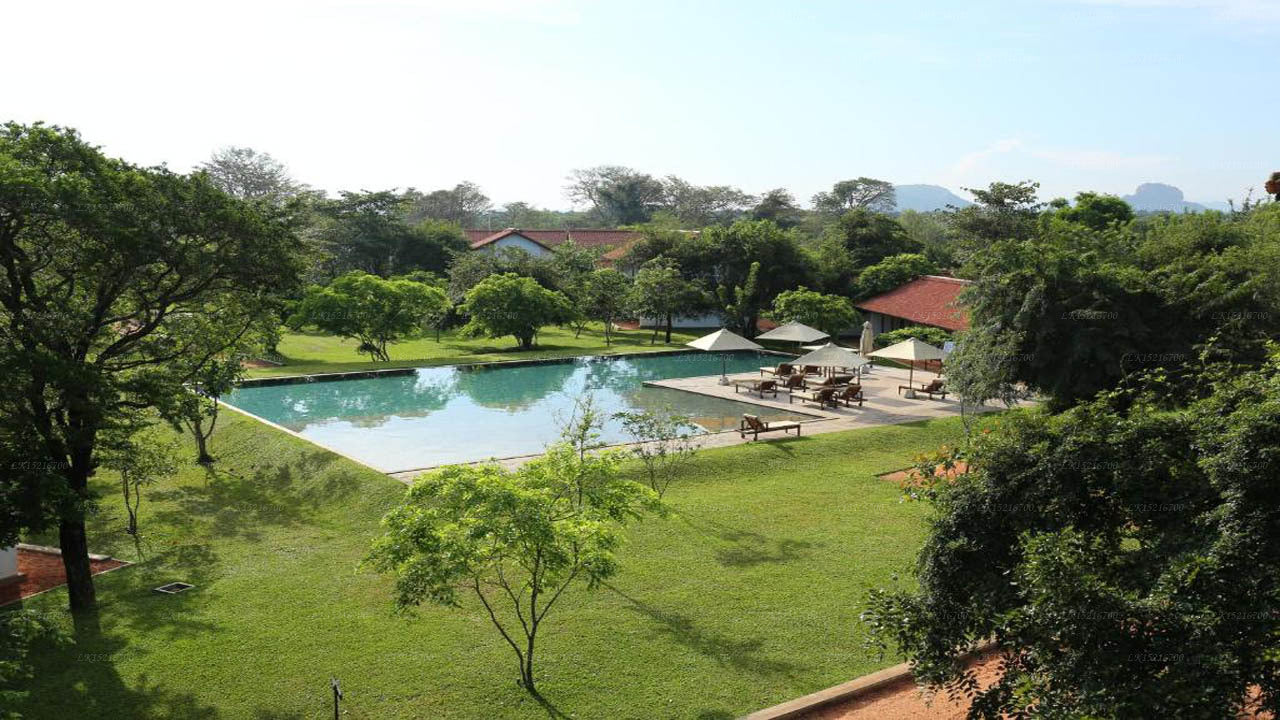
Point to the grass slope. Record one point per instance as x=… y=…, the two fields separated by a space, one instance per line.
x=746 y=596
x=309 y=353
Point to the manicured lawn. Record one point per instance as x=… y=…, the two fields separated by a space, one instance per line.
x=309 y=353
x=747 y=595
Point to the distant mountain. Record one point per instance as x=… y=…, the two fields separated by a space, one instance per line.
x=923 y=198
x=1158 y=197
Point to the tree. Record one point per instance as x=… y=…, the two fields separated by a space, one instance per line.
x=118 y=285
x=510 y=304
x=139 y=458
x=828 y=313
x=570 y=266
x=20 y=631
x=368 y=309
x=1097 y=212
x=428 y=246
x=664 y=444
x=981 y=369
x=932 y=232
x=661 y=294
x=779 y=207
x=516 y=541
x=892 y=272
x=463 y=205
x=734 y=249
x=250 y=175
x=1124 y=553
x=617 y=195
x=870 y=237
x=197 y=409
x=1003 y=211
x=698 y=206
x=604 y=297
x=864 y=193
x=742 y=303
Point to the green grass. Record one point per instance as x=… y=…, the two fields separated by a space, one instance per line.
x=745 y=596
x=310 y=353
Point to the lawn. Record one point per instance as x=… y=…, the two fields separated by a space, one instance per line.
x=308 y=353
x=745 y=596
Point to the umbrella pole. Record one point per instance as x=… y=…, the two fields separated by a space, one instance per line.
x=724 y=373
x=911 y=376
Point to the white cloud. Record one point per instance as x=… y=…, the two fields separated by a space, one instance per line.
x=971 y=161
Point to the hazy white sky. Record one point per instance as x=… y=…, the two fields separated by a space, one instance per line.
x=513 y=94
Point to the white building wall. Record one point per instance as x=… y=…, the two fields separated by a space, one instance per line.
x=518 y=241
x=709 y=320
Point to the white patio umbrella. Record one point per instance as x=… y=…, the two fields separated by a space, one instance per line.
x=793 y=332
x=867 y=343
x=832 y=355
x=723 y=341
x=912 y=351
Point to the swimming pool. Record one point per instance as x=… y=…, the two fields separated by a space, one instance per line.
x=442 y=415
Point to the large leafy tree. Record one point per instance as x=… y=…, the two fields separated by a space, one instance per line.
x=828 y=313
x=604 y=298
x=780 y=207
x=1002 y=211
x=892 y=272
x=1125 y=555
x=697 y=206
x=515 y=542
x=367 y=231
x=510 y=304
x=370 y=310
x=783 y=264
x=862 y=193
x=118 y=285
x=661 y=294
x=1095 y=211
x=251 y=175
x=870 y=237
x=617 y=195
x=463 y=204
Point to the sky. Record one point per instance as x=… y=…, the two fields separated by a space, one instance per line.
x=514 y=94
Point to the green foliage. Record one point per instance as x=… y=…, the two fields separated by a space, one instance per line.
x=460 y=206
x=783 y=265
x=779 y=207
x=742 y=303
x=1092 y=309
x=828 y=313
x=932 y=335
x=515 y=540
x=20 y=630
x=367 y=231
x=933 y=232
x=660 y=293
x=864 y=193
x=870 y=237
x=1003 y=211
x=892 y=272
x=1126 y=557
x=604 y=298
x=139 y=457
x=369 y=309
x=1096 y=212
x=664 y=444
x=119 y=285
x=510 y=304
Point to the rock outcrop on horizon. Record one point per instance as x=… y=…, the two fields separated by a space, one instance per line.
x=924 y=198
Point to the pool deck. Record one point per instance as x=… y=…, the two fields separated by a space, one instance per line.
x=882 y=405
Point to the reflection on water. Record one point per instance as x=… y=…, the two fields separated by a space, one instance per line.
x=449 y=414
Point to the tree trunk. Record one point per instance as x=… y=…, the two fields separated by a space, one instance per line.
x=668 y=328
x=74 y=544
x=202 y=442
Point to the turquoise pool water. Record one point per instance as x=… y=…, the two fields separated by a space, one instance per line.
x=452 y=414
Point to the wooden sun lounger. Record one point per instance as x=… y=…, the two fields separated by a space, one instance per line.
x=937 y=387
x=829 y=381
x=754 y=425
x=782 y=370
x=757 y=386
x=822 y=397
x=849 y=394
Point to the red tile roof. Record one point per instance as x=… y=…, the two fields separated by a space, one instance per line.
x=927 y=300
x=550 y=238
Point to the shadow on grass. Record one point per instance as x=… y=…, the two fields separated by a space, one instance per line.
x=748 y=548
x=738 y=653
x=239 y=504
x=80 y=680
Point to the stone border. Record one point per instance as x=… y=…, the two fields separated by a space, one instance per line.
x=45 y=549
x=852 y=690
x=365 y=374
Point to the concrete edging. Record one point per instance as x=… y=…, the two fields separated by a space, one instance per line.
x=851 y=690
x=46 y=550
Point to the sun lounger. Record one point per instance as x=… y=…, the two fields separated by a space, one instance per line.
x=849 y=394
x=821 y=396
x=782 y=370
x=937 y=387
x=756 y=386
x=794 y=382
x=754 y=425
x=828 y=381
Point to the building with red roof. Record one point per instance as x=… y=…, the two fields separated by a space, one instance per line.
x=927 y=300
x=612 y=243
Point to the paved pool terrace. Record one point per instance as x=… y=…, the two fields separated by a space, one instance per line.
x=427 y=417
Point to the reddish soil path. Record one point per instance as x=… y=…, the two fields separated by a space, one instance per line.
x=904 y=701
x=43 y=571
